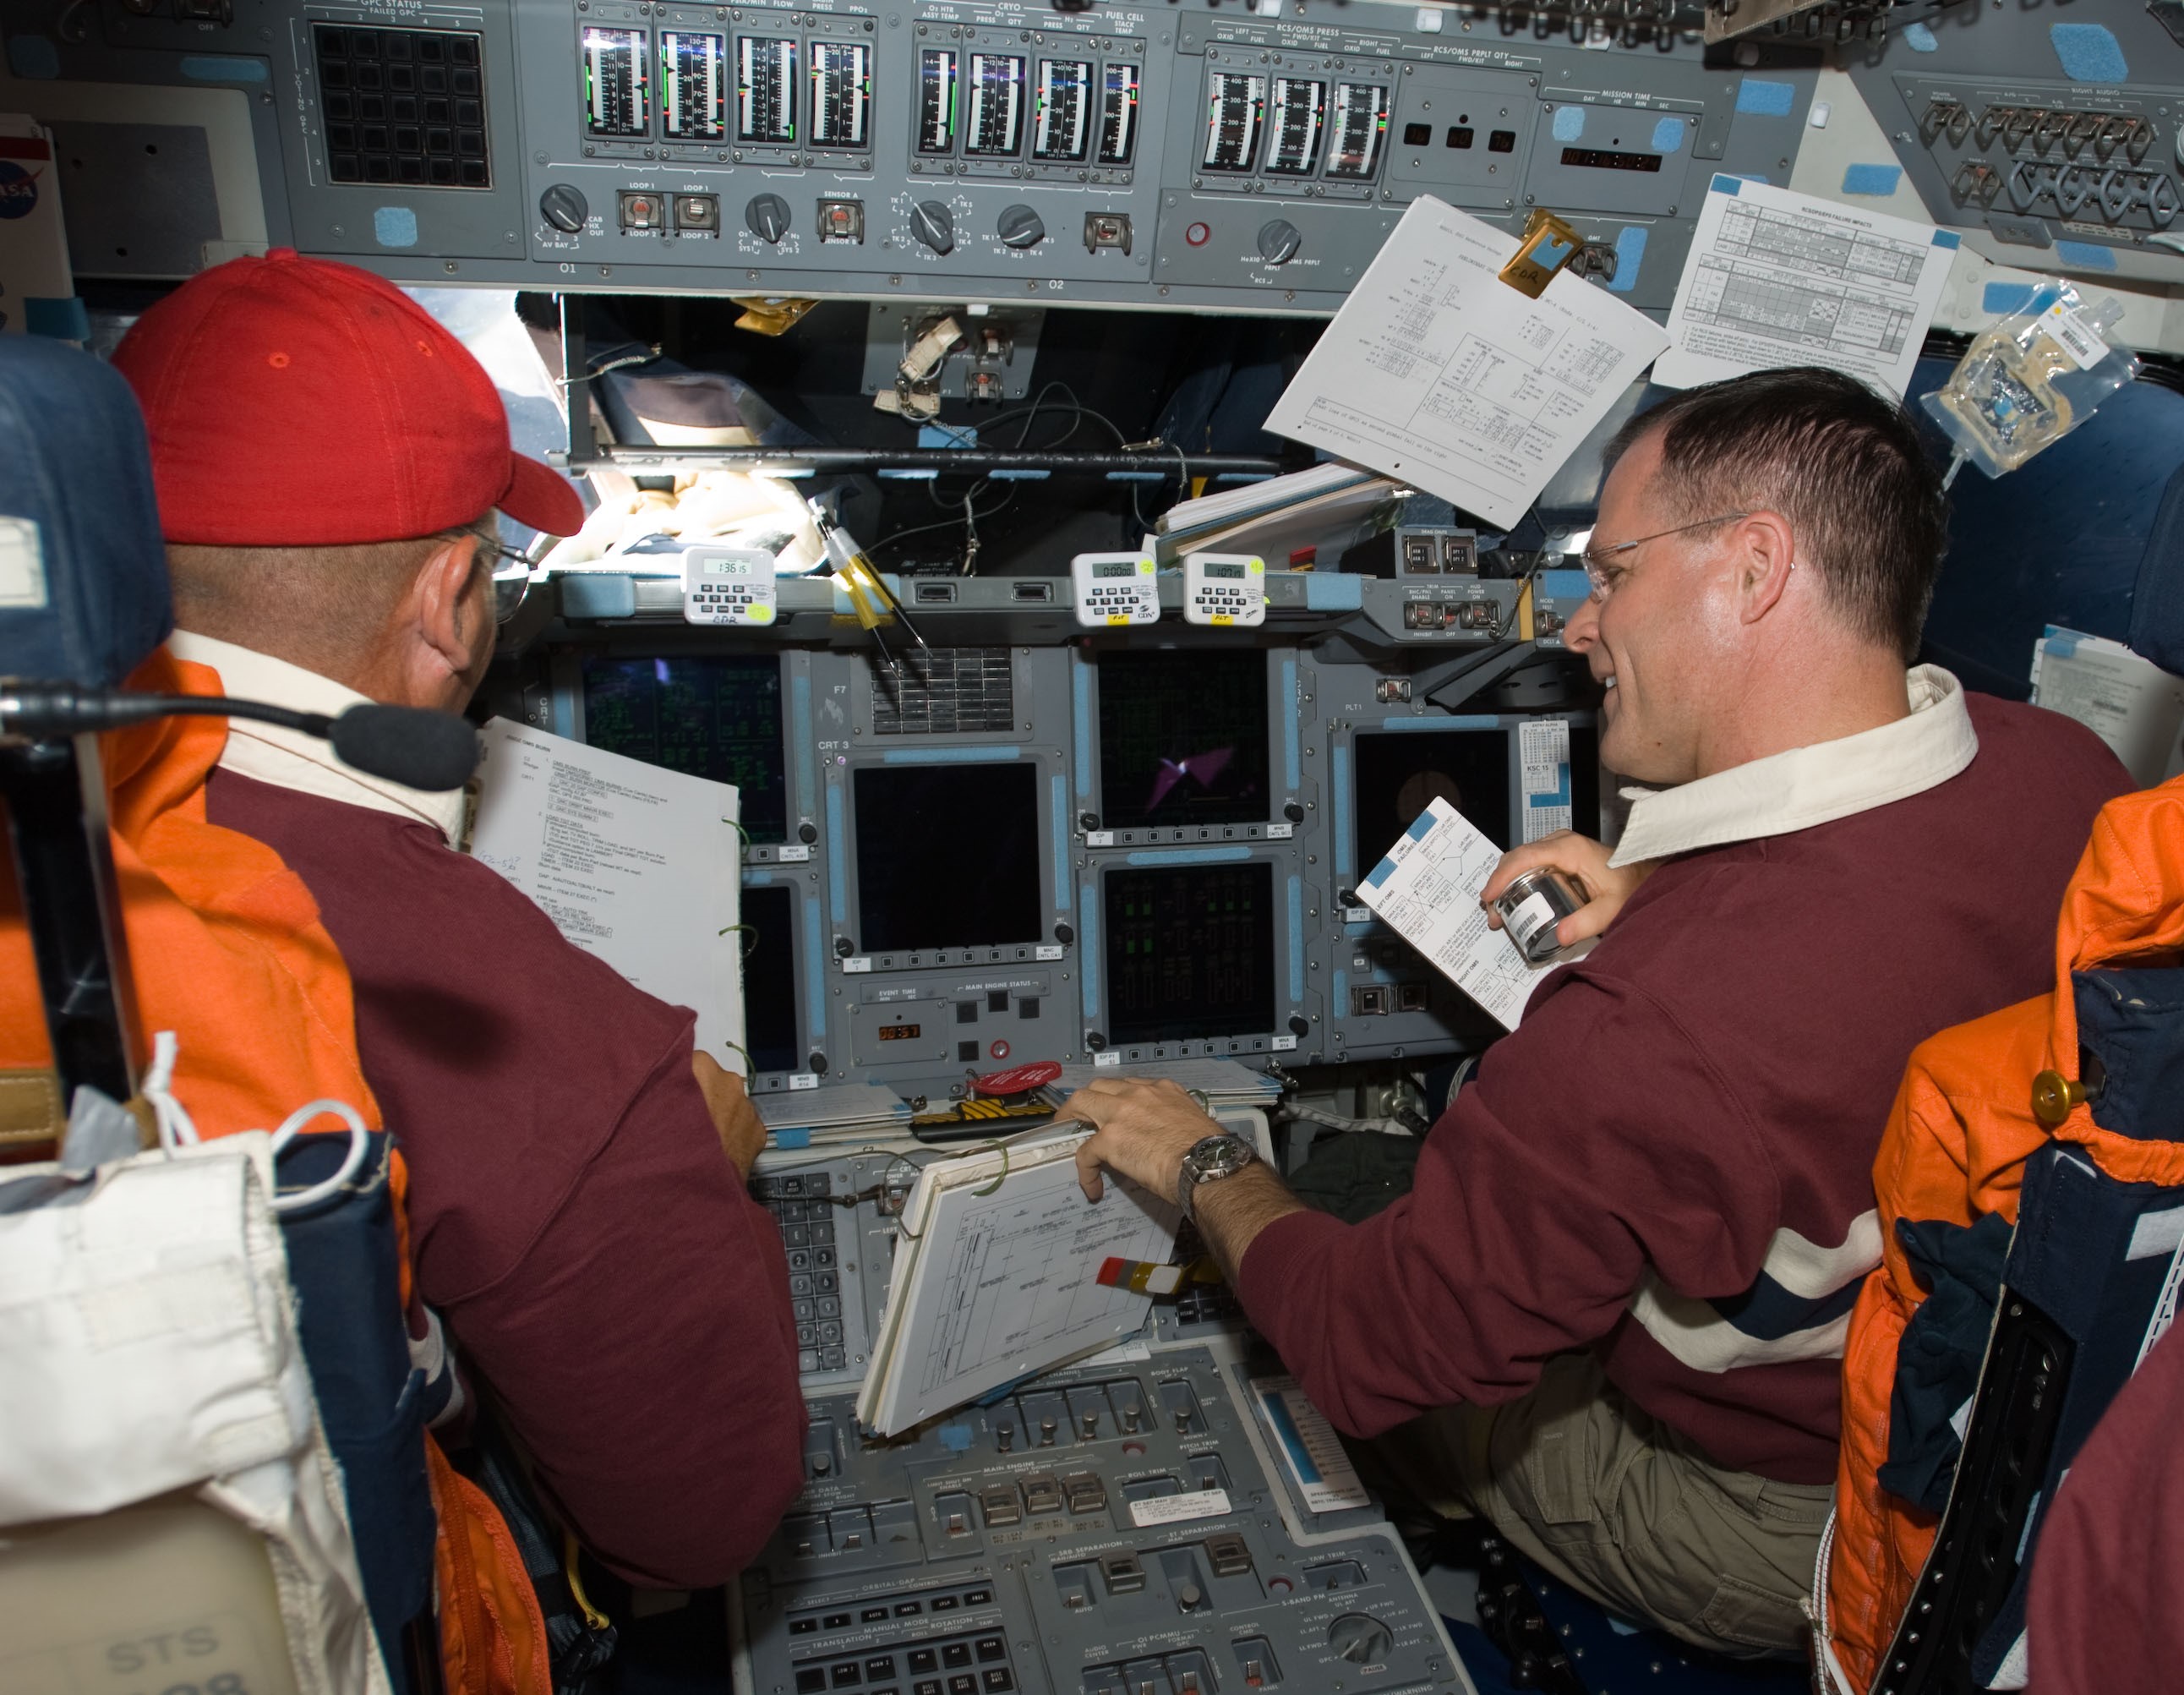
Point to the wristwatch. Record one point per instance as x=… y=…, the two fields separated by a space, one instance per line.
x=1209 y=1159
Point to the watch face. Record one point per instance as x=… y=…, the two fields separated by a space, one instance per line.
x=1219 y=1158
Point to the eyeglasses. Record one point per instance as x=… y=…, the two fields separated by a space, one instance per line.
x=1603 y=577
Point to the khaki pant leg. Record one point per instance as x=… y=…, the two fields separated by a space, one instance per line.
x=1609 y=1503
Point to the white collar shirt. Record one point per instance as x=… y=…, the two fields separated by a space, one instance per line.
x=1806 y=786
x=289 y=758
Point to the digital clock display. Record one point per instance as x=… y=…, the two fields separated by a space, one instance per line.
x=1218 y=569
x=1121 y=568
x=901 y=1033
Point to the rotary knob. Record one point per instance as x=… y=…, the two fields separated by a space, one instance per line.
x=767 y=217
x=564 y=207
x=933 y=223
x=1020 y=227
x=1278 y=241
x=1360 y=1638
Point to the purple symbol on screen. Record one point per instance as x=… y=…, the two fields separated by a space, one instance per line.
x=1202 y=767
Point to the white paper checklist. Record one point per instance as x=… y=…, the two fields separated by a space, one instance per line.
x=1774 y=278
x=1437 y=372
x=638 y=865
x=1427 y=889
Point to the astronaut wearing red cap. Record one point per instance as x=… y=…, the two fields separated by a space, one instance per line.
x=329 y=461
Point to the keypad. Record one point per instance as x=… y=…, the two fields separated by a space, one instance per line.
x=1123 y=599
x=808 y=1219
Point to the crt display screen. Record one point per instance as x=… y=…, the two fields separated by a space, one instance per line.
x=769 y=979
x=713 y=716
x=1398 y=772
x=947 y=856
x=1189 y=951
x=1183 y=738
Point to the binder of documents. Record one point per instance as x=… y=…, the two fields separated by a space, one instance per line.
x=996 y=1278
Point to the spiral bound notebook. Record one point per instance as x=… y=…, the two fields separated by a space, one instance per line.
x=997 y=1267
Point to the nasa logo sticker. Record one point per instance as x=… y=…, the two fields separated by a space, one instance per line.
x=19 y=189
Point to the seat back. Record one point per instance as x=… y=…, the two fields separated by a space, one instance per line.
x=2090 y=1285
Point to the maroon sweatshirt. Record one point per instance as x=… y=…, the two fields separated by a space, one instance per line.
x=572 y=1218
x=1679 y=1108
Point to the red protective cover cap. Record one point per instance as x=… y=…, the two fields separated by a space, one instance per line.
x=292 y=402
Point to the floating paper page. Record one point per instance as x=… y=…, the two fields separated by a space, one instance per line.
x=1774 y=278
x=1002 y=1285
x=1439 y=373
x=1427 y=889
x=638 y=865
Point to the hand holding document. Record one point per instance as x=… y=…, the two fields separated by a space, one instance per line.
x=636 y=864
x=1438 y=373
x=1427 y=889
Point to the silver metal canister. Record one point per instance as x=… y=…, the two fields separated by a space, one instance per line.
x=1531 y=908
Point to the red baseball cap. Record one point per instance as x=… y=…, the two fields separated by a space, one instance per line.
x=291 y=402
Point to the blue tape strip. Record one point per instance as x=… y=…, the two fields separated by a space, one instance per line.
x=1060 y=827
x=394 y=226
x=1422 y=827
x=1454 y=720
x=798 y=1137
x=1669 y=136
x=223 y=68
x=1880 y=180
x=35 y=58
x=1019 y=475
x=1341 y=1007
x=1139 y=476
x=1380 y=874
x=1205 y=855
x=1629 y=256
x=838 y=857
x=1724 y=183
x=947 y=435
x=756 y=879
x=1569 y=123
x=2085 y=255
x=1332 y=591
x=1765 y=98
x=1286 y=1432
x=982 y=755
x=800 y=714
x=1088 y=914
x=1565 y=585
x=1946 y=238
x=1920 y=38
x=1293 y=765
x=2088 y=53
x=1296 y=938
x=956 y=1438
x=1080 y=691
x=2003 y=298
x=1338 y=769
x=815 y=974
x=912 y=475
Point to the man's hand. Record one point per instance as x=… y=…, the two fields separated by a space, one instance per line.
x=1585 y=863
x=735 y=1120
x=1144 y=1129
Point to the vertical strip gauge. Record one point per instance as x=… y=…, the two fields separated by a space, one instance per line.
x=1118 y=113
x=993 y=112
x=841 y=94
x=766 y=88
x=693 y=94
x=617 y=92
x=1299 y=114
x=936 y=99
x=1361 y=122
x=1063 y=126
x=1235 y=112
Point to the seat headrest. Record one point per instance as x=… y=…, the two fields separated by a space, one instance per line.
x=83 y=572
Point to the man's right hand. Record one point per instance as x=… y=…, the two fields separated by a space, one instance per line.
x=1583 y=861
x=735 y=1120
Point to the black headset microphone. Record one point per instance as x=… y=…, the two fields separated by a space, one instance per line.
x=411 y=745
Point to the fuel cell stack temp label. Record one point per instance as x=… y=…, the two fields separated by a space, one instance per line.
x=1325 y=1479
